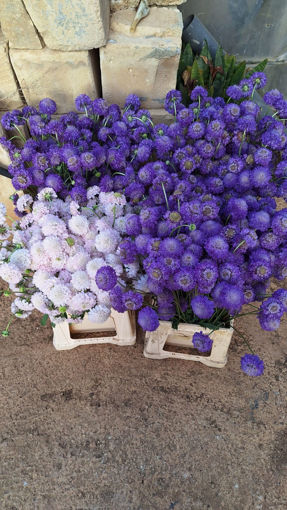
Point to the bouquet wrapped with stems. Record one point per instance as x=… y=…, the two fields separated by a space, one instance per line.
x=178 y=221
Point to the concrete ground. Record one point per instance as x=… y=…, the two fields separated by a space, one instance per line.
x=103 y=428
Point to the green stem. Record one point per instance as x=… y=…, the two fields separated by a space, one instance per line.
x=165 y=195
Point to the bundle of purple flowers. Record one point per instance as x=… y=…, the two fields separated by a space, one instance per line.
x=201 y=224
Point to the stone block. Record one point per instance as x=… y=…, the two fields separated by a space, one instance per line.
x=144 y=62
x=71 y=24
x=6 y=190
x=116 y=5
x=17 y=26
x=253 y=30
x=59 y=75
x=9 y=93
x=160 y=116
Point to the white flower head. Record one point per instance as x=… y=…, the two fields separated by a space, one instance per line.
x=99 y=314
x=46 y=195
x=60 y=294
x=107 y=241
x=21 y=258
x=23 y=202
x=93 y=192
x=93 y=265
x=79 y=225
x=80 y=280
x=10 y=273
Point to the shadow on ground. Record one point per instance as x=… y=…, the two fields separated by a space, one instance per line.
x=103 y=428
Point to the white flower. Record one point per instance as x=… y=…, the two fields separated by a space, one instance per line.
x=79 y=225
x=20 y=314
x=26 y=221
x=3 y=210
x=132 y=269
x=107 y=241
x=21 y=258
x=103 y=298
x=23 y=202
x=52 y=245
x=141 y=284
x=58 y=262
x=80 y=280
x=46 y=194
x=77 y=261
x=120 y=224
x=40 y=278
x=52 y=225
x=82 y=301
x=38 y=252
x=92 y=192
x=10 y=273
x=23 y=304
x=39 y=210
x=60 y=294
x=93 y=265
x=114 y=260
x=99 y=313
x=40 y=302
x=74 y=208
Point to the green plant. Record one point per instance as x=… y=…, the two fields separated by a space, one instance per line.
x=214 y=74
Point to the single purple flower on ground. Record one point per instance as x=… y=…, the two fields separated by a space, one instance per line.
x=252 y=365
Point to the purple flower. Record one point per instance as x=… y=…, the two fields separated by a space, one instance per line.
x=234 y=92
x=272 y=307
x=259 y=80
x=47 y=105
x=217 y=248
x=273 y=97
x=132 y=102
x=22 y=179
x=132 y=300
x=259 y=220
x=54 y=181
x=196 y=130
x=206 y=274
x=116 y=299
x=106 y=278
x=202 y=307
x=83 y=102
x=172 y=102
x=184 y=279
x=148 y=319
x=260 y=176
x=127 y=251
x=79 y=194
x=279 y=223
x=199 y=92
x=171 y=247
x=228 y=296
x=252 y=365
x=202 y=342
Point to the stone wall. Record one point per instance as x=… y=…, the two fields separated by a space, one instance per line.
x=52 y=48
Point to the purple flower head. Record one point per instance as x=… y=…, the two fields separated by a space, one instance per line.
x=88 y=160
x=246 y=86
x=273 y=97
x=106 y=278
x=11 y=119
x=269 y=241
x=166 y=311
x=187 y=164
x=260 y=270
x=234 y=92
x=281 y=295
x=249 y=295
x=260 y=176
x=259 y=220
x=100 y=107
x=184 y=279
x=191 y=211
x=215 y=129
x=279 y=223
x=202 y=307
x=231 y=112
x=79 y=194
x=272 y=307
x=172 y=102
x=217 y=247
x=259 y=80
x=184 y=117
x=189 y=259
x=229 y=296
x=54 y=181
x=229 y=272
x=196 y=130
x=135 y=191
x=22 y=179
x=247 y=123
x=27 y=111
x=199 y=92
x=170 y=262
x=148 y=319
x=71 y=134
x=116 y=299
x=202 y=342
x=47 y=105
x=248 y=107
x=132 y=102
x=268 y=322
x=132 y=225
x=206 y=274
x=127 y=251
x=83 y=103
x=37 y=125
x=252 y=365
x=132 y=300
x=157 y=271
x=171 y=247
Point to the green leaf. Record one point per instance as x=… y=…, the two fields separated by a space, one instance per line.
x=70 y=241
x=205 y=51
x=185 y=96
x=238 y=73
x=197 y=73
x=187 y=56
x=44 y=319
x=219 y=58
x=259 y=68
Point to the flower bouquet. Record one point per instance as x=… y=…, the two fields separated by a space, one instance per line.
x=178 y=222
